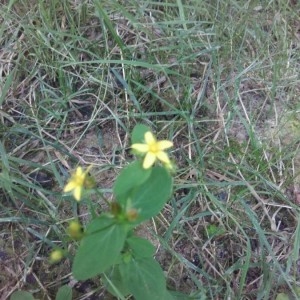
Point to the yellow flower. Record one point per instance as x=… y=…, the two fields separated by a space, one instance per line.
x=154 y=150
x=56 y=255
x=78 y=180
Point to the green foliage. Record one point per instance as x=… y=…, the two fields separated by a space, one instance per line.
x=140 y=247
x=109 y=246
x=130 y=177
x=141 y=277
x=215 y=73
x=100 y=248
x=150 y=197
x=212 y=230
x=144 y=278
x=138 y=133
x=282 y=296
x=64 y=293
x=21 y=295
x=115 y=283
x=143 y=190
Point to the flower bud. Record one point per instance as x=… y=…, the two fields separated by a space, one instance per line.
x=115 y=208
x=56 y=256
x=75 y=230
x=132 y=214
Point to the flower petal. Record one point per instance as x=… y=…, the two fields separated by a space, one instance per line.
x=149 y=138
x=149 y=160
x=70 y=186
x=163 y=156
x=165 y=144
x=140 y=147
x=77 y=193
x=79 y=171
x=86 y=172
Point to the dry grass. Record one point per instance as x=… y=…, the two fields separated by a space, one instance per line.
x=220 y=78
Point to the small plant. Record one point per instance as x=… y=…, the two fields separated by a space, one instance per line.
x=108 y=244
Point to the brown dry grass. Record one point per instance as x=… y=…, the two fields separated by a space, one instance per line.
x=221 y=79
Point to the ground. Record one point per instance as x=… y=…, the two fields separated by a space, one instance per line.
x=219 y=78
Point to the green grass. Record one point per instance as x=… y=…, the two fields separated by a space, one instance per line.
x=220 y=78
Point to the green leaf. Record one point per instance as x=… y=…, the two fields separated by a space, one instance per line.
x=152 y=195
x=64 y=293
x=100 y=248
x=169 y=296
x=100 y=223
x=145 y=279
x=115 y=283
x=21 y=295
x=138 y=133
x=282 y=296
x=140 y=247
x=130 y=177
x=181 y=296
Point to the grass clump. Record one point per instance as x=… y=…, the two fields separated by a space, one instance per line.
x=220 y=77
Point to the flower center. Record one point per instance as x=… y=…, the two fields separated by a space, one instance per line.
x=153 y=148
x=79 y=180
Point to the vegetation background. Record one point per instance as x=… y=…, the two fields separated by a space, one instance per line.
x=219 y=78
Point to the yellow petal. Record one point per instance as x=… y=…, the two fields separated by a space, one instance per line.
x=149 y=138
x=87 y=170
x=162 y=145
x=79 y=171
x=77 y=193
x=70 y=186
x=163 y=156
x=149 y=160
x=140 y=147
